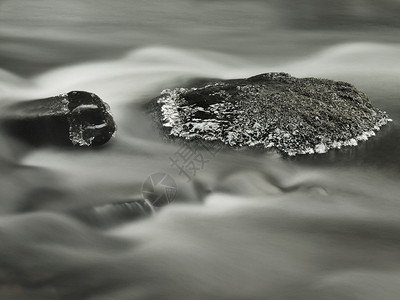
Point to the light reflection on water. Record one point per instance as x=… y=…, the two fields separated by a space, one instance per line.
x=249 y=225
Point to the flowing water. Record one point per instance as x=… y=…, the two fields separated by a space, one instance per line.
x=248 y=225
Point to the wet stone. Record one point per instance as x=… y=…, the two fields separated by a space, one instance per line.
x=113 y=214
x=77 y=118
x=272 y=110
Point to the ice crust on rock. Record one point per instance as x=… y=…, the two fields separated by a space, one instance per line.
x=89 y=118
x=292 y=115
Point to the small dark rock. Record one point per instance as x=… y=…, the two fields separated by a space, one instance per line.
x=77 y=118
x=113 y=214
x=272 y=110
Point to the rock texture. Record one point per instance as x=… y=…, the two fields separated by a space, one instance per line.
x=77 y=118
x=274 y=110
x=113 y=214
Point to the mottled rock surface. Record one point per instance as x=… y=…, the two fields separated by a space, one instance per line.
x=274 y=110
x=77 y=118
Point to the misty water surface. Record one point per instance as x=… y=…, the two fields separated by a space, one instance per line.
x=248 y=225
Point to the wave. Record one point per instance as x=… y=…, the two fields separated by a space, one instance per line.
x=332 y=236
x=141 y=70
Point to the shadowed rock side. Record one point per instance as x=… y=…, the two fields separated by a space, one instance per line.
x=77 y=118
x=274 y=110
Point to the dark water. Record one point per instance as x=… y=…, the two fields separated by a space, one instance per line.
x=248 y=225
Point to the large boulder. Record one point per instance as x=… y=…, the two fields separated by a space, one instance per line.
x=272 y=110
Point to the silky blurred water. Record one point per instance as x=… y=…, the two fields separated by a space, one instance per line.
x=248 y=225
